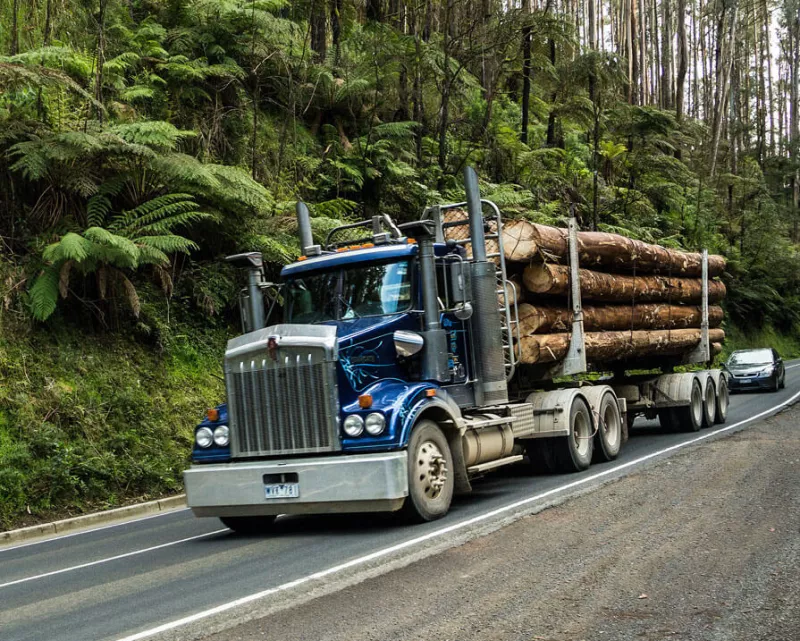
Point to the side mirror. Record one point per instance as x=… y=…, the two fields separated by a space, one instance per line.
x=408 y=343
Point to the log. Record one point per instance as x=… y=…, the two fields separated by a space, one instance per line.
x=553 y=280
x=716 y=348
x=524 y=241
x=545 y=319
x=614 y=346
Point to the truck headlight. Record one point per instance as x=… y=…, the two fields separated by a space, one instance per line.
x=375 y=423
x=204 y=437
x=354 y=425
x=222 y=435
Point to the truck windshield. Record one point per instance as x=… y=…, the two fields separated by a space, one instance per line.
x=365 y=290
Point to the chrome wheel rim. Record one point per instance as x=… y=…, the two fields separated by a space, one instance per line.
x=430 y=470
x=582 y=433
x=697 y=404
x=711 y=405
x=611 y=425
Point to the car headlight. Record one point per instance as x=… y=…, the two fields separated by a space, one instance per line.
x=222 y=435
x=354 y=425
x=204 y=437
x=767 y=371
x=375 y=423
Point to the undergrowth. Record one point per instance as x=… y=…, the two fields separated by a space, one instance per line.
x=97 y=421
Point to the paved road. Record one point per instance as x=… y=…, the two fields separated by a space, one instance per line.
x=123 y=582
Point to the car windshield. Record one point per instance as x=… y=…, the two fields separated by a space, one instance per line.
x=751 y=357
x=366 y=290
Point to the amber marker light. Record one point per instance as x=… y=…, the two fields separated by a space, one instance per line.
x=365 y=401
x=212 y=414
x=430 y=392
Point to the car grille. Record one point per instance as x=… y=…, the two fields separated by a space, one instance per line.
x=286 y=405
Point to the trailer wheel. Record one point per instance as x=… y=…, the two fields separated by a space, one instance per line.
x=608 y=440
x=248 y=524
x=710 y=404
x=722 y=401
x=430 y=474
x=573 y=453
x=689 y=418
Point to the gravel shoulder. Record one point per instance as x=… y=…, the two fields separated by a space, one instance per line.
x=702 y=546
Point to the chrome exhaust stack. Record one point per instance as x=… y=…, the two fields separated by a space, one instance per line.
x=491 y=387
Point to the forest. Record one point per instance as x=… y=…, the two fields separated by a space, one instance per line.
x=141 y=141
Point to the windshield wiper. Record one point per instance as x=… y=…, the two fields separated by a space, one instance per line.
x=348 y=305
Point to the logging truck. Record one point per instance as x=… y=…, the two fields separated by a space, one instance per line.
x=402 y=371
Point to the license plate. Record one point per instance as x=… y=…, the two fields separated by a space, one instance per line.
x=744 y=380
x=282 y=490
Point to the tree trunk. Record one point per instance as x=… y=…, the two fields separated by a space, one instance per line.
x=666 y=54
x=14 y=28
x=319 y=41
x=546 y=319
x=336 y=29
x=48 y=15
x=526 y=70
x=724 y=61
x=524 y=241
x=682 y=65
x=615 y=346
x=553 y=280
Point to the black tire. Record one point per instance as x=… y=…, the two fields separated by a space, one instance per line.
x=608 y=440
x=573 y=453
x=783 y=381
x=689 y=418
x=248 y=524
x=776 y=385
x=722 y=401
x=430 y=474
x=710 y=404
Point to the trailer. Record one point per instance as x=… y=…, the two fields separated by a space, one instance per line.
x=395 y=378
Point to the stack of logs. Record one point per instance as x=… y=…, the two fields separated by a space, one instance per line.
x=639 y=300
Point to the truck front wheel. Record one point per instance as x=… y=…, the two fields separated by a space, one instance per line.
x=248 y=524
x=430 y=474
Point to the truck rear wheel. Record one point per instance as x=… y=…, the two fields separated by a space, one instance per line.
x=689 y=418
x=722 y=401
x=430 y=474
x=573 y=453
x=710 y=404
x=248 y=524
x=608 y=440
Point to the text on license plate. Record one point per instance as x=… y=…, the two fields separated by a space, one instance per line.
x=744 y=380
x=282 y=490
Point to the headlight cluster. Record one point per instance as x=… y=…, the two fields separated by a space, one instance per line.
x=767 y=371
x=204 y=437
x=355 y=426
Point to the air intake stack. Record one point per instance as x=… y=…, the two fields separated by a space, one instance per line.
x=490 y=387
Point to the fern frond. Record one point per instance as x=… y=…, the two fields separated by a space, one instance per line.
x=97 y=209
x=71 y=247
x=44 y=294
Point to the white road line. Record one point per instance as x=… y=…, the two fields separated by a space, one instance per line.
x=58 y=537
x=791 y=366
x=109 y=559
x=437 y=533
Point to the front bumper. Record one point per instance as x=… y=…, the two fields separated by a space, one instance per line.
x=351 y=483
x=736 y=384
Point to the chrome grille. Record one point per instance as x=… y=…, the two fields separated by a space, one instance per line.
x=286 y=405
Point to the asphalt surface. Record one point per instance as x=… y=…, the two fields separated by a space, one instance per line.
x=702 y=546
x=125 y=581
